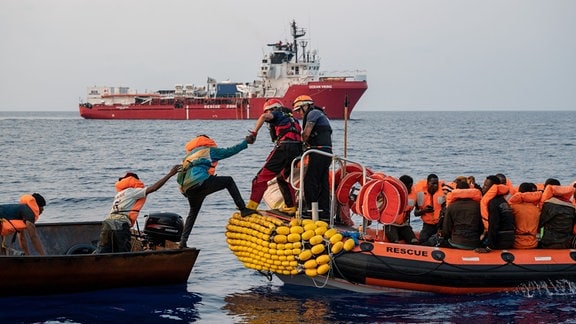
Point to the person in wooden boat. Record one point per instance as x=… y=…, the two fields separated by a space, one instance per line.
x=462 y=224
x=197 y=178
x=317 y=134
x=285 y=132
x=429 y=200
x=525 y=205
x=20 y=219
x=115 y=235
x=401 y=230
x=558 y=217
x=497 y=216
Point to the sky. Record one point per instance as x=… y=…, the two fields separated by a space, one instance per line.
x=418 y=54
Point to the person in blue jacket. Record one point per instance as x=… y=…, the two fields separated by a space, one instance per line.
x=197 y=179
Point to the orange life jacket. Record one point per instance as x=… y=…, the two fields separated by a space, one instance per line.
x=202 y=141
x=404 y=216
x=435 y=200
x=495 y=190
x=131 y=182
x=526 y=209
x=17 y=225
x=456 y=194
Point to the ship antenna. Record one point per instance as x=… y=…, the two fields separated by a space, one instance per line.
x=296 y=33
x=345 y=125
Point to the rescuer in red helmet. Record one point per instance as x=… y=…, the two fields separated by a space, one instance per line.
x=285 y=133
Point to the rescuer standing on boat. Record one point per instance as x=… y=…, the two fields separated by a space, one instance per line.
x=20 y=218
x=285 y=132
x=317 y=134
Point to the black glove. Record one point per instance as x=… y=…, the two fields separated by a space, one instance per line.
x=250 y=139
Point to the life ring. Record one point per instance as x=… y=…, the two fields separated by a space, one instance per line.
x=350 y=167
x=362 y=197
x=373 y=200
x=345 y=186
x=395 y=204
x=378 y=175
x=81 y=249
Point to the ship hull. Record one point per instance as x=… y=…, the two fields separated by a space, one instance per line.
x=331 y=95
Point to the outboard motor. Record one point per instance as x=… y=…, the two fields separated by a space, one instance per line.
x=160 y=227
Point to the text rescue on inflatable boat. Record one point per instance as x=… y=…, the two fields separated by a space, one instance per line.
x=398 y=250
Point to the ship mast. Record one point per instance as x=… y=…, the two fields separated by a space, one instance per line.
x=297 y=33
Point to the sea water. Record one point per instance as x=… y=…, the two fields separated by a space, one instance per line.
x=74 y=163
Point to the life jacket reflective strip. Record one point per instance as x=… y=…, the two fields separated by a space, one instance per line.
x=495 y=190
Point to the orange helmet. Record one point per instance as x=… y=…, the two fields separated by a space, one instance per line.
x=302 y=100
x=272 y=104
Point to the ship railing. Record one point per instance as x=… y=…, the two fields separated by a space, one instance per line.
x=350 y=75
x=297 y=183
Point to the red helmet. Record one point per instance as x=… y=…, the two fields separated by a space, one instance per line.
x=272 y=104
x=302 y=100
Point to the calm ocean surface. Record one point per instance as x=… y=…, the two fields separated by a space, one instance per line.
x=74 y=164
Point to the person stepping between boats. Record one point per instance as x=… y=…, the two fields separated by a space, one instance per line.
x=285 y=132
x=197 y=178
x=115 y=235
x=20 y=219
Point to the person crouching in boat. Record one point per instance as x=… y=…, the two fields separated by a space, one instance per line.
x=557 y=217
x=429 y=200
x=497 y=216
x=197 y=178
x=525 y=205
x=115 y=235
x=285 y=132
x=20 y=219
x=401 y=229
x=462 y=224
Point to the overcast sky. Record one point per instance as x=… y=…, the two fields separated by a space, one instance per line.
x=418 y=55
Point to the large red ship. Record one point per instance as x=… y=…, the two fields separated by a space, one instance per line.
x=287 y=71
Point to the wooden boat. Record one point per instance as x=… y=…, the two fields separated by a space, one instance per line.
x=370 y=264
x=70 y=266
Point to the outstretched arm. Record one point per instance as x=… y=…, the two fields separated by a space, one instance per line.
x=162 y=181
x=263 y=118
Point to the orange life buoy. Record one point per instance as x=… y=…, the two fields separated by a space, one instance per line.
x=344 y=187
x=396 y=200
x=373 y=201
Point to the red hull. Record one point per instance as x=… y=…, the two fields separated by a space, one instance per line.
x=328 y=94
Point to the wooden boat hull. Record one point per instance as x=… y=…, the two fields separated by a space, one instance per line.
x=63 y=271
